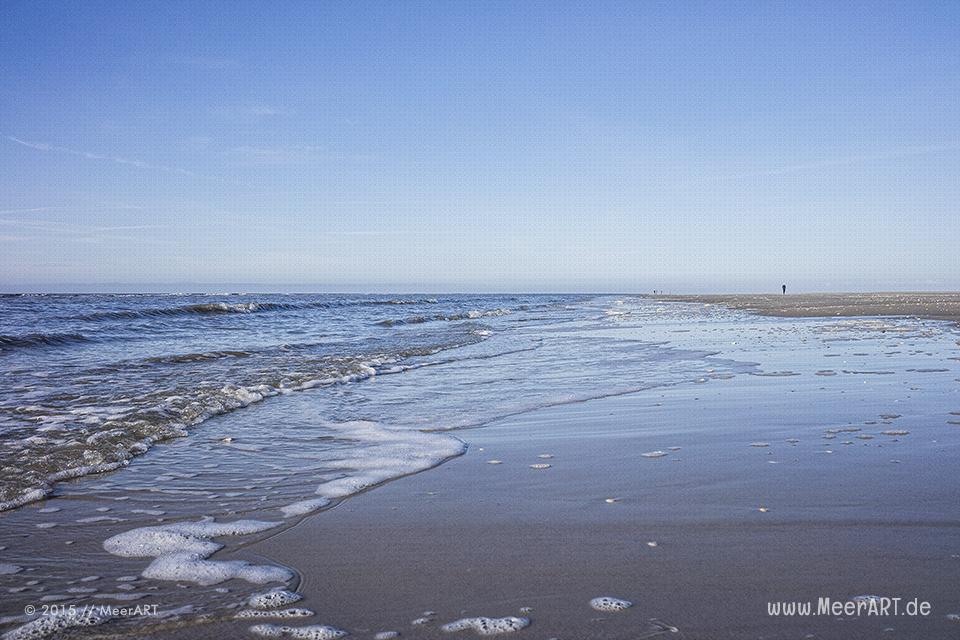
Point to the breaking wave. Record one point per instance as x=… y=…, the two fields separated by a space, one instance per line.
x=91 y=435
x=453 y=317
x=220 y=308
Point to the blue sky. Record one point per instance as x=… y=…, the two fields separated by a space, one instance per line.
x=480 y=146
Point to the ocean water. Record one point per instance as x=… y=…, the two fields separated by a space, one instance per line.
x=271 y=407
x=146 y=439
x=91 y=382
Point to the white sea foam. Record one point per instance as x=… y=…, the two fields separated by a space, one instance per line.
x=180 y=552
x=277 y=613
x=26 y=497
x=94 y=519
x=609 y=604
x=7 y=569
x=311 y=632
x=50 y=624
x=487 y=626
x=184 y=411
x=304 y=507
x=273 y=598
x=120 y=596
x=382 y=454
x=867 y=598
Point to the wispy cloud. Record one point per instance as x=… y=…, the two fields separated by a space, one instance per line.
x=4 y=212
x=75 y=208
x=89 y=155
x=40 y=228
x=33 y=145
x=52 y=230
x=53 y=225
x=249 y=155
x=42 y=146
x=844 y=161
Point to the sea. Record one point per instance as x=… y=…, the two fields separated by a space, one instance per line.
x=144 y=438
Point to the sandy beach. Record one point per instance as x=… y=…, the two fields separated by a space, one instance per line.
x=477 y=539
x=938 y=305
x=684 y=536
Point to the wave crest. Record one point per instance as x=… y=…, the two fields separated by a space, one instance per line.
x=41 y=340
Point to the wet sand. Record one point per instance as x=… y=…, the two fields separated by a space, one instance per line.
x=471 y=538
x=936 y=306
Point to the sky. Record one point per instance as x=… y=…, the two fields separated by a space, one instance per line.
x=480 y=146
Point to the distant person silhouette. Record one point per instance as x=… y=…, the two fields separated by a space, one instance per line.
x=784 y=287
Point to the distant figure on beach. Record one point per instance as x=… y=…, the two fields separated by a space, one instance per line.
x=784 y=287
